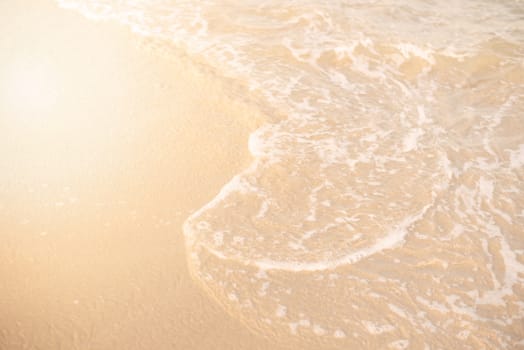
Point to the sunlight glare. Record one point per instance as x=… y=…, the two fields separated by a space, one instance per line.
x=31 y=88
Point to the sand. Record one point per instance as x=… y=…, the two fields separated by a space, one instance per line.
x=106 y=147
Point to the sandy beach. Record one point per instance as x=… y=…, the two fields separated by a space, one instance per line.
x=275 y=175
x=100 y=166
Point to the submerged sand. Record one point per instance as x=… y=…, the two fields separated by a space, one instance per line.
x=100 y=166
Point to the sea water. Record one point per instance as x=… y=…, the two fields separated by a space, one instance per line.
x=384 y=206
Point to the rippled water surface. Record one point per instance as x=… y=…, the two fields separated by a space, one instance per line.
x=384 y=207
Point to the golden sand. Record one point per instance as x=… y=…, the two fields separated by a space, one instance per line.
x=106 y=148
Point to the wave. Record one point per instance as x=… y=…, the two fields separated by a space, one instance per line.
x=387 y=185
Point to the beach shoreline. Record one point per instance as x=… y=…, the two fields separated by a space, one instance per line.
x=219 y=175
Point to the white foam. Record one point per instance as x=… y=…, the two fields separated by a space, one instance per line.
x=517 y=157
x=318 y=330
x=390 y=241
x=410 y=141
x=422 y=117
x=400 y=344
x=397 y=310
x=408 y=50
x=375 y=329
x=433 y=305
x=486 y=188
x=281 y=311
x=339 y=334
x=232 y=297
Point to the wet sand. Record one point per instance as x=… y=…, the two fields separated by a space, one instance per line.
x=106 y=148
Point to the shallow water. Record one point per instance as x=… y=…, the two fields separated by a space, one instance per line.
x=384 y=206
